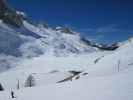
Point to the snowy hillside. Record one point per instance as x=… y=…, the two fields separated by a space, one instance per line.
x=104 y=75
x=21 y=38
x=38 y=62
x=32 y=41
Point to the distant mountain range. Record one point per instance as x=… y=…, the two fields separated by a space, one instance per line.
x=20 y=36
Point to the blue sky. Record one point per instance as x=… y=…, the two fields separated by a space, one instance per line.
x=101 y=20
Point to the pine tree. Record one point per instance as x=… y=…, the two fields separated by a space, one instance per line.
x=30 y=82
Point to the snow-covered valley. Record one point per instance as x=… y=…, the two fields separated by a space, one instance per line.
x=109 y=78
x=38 y=62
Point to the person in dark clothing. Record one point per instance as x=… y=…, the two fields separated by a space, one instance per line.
x=12 y=94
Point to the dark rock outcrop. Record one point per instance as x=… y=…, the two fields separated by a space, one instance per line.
x=101 y=46
x=9 y=15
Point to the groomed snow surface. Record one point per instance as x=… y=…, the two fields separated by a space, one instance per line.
x=105 y=76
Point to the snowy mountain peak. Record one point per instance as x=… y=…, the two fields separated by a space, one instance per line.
x=28 y=40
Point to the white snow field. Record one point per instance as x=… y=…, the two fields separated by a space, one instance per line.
x=38 y=62
x=104 y=76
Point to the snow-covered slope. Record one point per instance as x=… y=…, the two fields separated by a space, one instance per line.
x=25 y=38
x=117 y=87
x=104 y=75
x=59 y=43
x=49 y=40
x=62 y=64
x=31 y=40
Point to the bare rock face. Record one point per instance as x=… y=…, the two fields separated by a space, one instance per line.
x=9 y=15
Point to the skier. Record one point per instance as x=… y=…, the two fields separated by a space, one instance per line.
x=12 y=94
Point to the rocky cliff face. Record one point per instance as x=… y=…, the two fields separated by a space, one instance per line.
x=9 y=15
